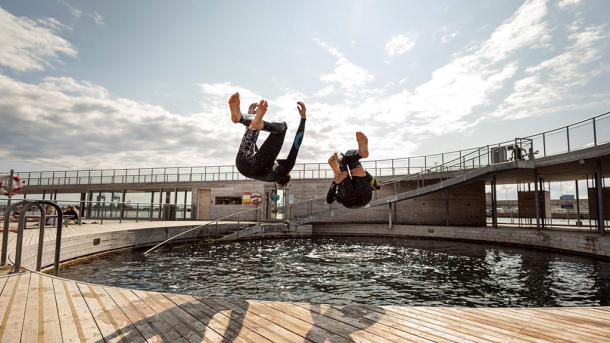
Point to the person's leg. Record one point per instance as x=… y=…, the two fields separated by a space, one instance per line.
x=268 y=151
x=338 y=172
x=363 y=144
x=246 y=155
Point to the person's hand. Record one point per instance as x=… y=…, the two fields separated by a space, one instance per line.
x=301 y=108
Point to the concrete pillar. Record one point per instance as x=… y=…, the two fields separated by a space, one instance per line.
x=494 y=203
x=600 y=198
x=123 y=203
x=83 y=199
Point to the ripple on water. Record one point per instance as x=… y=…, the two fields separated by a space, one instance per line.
x=360 y=270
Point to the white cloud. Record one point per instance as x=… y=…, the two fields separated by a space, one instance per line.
x=346 y=74
x=551 y=83
x=77 y=13
x=447 y=35
x=27 y=44
x=399 y=45
x=568 y=3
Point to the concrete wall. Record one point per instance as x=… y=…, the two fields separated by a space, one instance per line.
x=84 y=244
x=463 y=205
x=578 y=241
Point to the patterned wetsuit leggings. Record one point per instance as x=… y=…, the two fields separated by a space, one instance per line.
x=253 y=161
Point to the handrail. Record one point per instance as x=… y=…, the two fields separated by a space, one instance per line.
x=199 y=227
x=26 y=204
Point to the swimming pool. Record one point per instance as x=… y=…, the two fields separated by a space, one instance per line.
x=378 y=271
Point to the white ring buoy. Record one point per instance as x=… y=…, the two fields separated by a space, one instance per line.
x=15 y=188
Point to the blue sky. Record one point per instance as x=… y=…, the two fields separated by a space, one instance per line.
x=114 y=84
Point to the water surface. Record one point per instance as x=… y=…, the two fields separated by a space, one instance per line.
x=378 y=271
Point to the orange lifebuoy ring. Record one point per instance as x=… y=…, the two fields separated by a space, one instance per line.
x=15 y=188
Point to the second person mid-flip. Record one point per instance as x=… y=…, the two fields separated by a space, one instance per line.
x=262 y=163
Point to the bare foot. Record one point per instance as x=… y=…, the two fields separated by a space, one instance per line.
x=363 y=144
x=333 y=162
x=257 y=122
x=234 y=106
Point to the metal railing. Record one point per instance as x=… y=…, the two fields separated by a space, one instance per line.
x=96 y=210
x=215 y=221
x=26 y=205
x=586 y=133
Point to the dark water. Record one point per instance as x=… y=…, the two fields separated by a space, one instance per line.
x=361 y=270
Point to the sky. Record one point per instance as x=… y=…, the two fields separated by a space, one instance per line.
x=118 y=84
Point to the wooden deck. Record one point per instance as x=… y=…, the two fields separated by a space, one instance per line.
x=41 y=308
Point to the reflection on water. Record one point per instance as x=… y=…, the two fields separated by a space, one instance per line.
x=361 y=270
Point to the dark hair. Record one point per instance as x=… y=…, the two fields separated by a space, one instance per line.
x=252 y=107
x=283 y=180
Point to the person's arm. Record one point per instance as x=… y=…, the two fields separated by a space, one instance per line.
x=330 y=196
x=285 y=166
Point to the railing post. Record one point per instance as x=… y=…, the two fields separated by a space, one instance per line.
x=408 y=165
x=568 y=137
x=594 y=133
x=488 y=156
x=393 y=172
x=544 y=143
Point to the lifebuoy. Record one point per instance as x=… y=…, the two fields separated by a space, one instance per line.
x=15 y=187
x=255 y=199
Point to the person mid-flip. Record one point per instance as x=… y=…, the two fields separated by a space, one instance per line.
x=353 y=191
x=262 y=163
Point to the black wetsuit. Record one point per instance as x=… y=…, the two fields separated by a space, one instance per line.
x=262 y=163
x=353 y=191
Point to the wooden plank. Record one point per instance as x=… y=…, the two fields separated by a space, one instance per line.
x=195 y=323
x=529 y=319
x=450 y=328
x=365 y=324
x=298 y=326
x=81 y=312
x=71 y=330
x=339 y=328
x=145 y=325
x=403 y=325
x=580 y=321
x=52 y=328
x=192 y=331
x=256 y=323
x=160 y=322
x=32 y=330
x=498 y=329
x=553 y=320
x=13 y=326
x=475 y=316
x=220 y=321
x=112 y=322
x=7 y=297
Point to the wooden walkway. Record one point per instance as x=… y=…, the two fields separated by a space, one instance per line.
x=41 y=308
